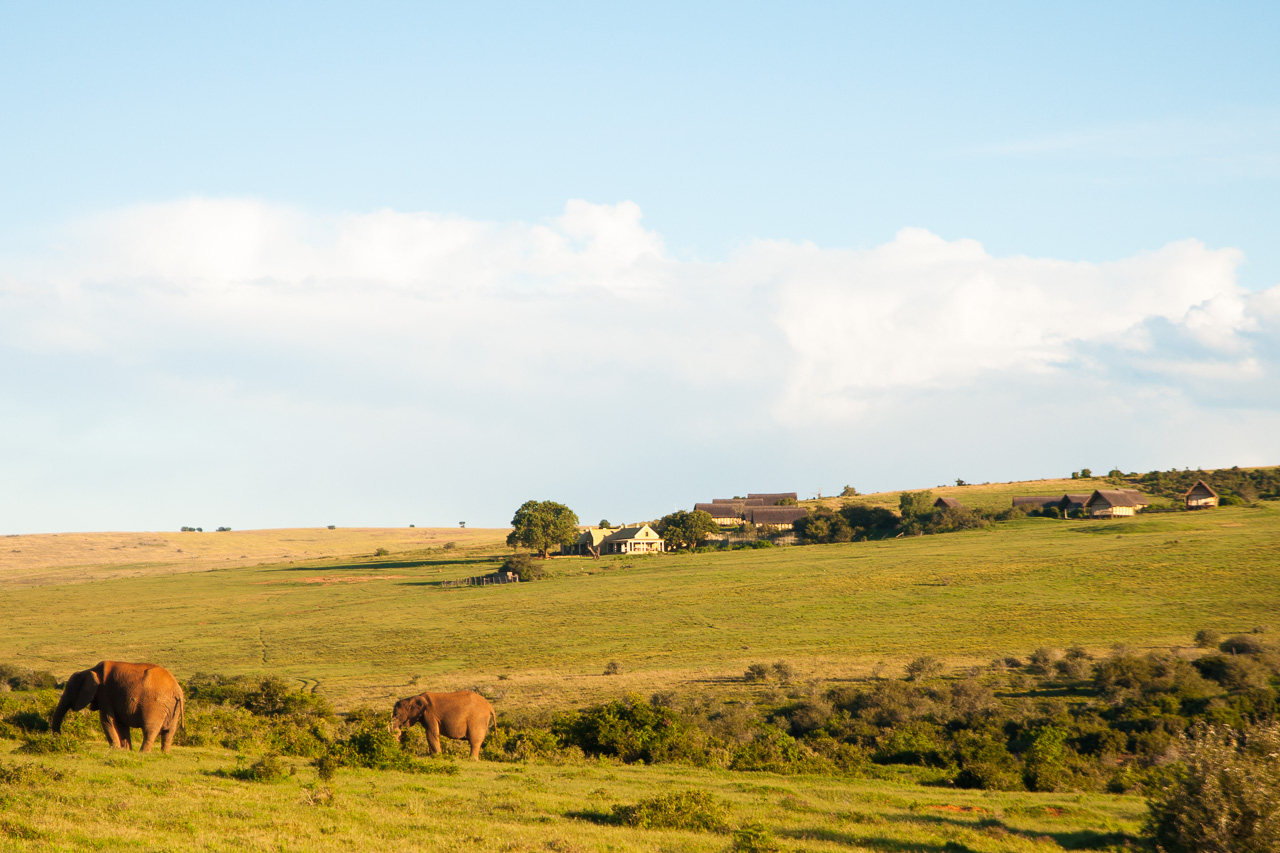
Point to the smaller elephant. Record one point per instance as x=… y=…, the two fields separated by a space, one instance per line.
x=462 y=715
x=126 y=695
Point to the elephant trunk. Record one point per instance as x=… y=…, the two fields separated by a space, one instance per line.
x=64 y=705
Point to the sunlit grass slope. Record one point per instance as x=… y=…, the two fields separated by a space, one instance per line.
x=127 y=801
x=72 y=557
x=987 y=496
x=371 y=629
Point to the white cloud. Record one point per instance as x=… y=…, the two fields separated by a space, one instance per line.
x=292 y=333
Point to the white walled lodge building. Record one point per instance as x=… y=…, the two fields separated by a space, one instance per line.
x=633 y=539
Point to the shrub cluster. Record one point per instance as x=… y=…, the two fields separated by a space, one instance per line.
x=1233 y=485
x=1225 y=796
x=697 y=811
x=15 y=677
x=855 y=522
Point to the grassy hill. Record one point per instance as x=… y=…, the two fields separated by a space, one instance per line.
x=369 y=629
x=987 y=496
x=320 y=608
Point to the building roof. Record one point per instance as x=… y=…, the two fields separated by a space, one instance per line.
x=1076 y=498
x=593 y=536
x=948 y=502
x=775 y=514
x=1201 y=489
x=1112 y=497
x=773 y=497
x=1139 y=498
x=720 y=510
x=1036 y=501
x=638 y=531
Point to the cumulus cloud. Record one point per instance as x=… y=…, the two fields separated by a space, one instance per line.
x=419 y=323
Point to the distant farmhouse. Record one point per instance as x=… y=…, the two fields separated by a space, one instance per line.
x=1114 y=503
x=1201 y=496
x=947 y=503
x=757 y=508
x=1101 y=503
x=633 y=539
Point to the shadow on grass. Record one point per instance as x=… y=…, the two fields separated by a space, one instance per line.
x=599 y=818
x=871 y=842
x=1076 y=839
x=388 y=564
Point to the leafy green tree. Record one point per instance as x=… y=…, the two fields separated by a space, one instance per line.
x=541 y=525
x=1224 y=797
x=914 y=505
x=683 y=529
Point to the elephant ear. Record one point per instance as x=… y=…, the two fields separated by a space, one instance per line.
x=86 y=690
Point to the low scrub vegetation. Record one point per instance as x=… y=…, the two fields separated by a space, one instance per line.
x=1057 y=722
x=1233 y=485
x=696 y=811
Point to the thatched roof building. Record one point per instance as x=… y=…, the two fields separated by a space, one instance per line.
x=1112 y=503
x=1030 y=502
x=948 y=503
x=1201 y=496
x=781 y=517
x=772 y=498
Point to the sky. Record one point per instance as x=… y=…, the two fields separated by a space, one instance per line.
x=381 y=264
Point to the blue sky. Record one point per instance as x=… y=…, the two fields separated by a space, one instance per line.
x=396 y=263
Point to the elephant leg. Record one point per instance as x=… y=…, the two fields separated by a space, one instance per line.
x=125 y=735
x=433 y=736
x=166 y=738
x=149 y=733
x=109 y=729
x=477 y=741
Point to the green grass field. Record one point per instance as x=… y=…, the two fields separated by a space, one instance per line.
x=364 y=630
x=369 y=630
x=127 y=801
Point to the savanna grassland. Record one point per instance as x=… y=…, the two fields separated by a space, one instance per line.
x=372 y=628
x=321 y=610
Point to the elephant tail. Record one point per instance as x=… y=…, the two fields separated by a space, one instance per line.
x=177 y=720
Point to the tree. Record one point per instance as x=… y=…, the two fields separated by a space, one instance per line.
x=912 y=505
x=1225 y=796
x=540 y=525
x=683 y=529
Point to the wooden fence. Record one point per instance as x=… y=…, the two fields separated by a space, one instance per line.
x=482 y=580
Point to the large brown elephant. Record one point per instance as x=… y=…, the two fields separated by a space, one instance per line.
x=462 y=716
x=126 y=695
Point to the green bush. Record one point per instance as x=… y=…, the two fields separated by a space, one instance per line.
x=516 y=743
x=1243 y=644
x=774 y=751
x=264 y=696
x=690 y=810
x=1045 y=762
x=21 y=678
x=525 y=567
x=754 y=838
x=28 y=773
x=268 y=768
x=1225 y=797
x=632 y=730
x=925 y=666
x=1207 y=638
x=49 y=744
x=378 y=749
x=984 y=762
